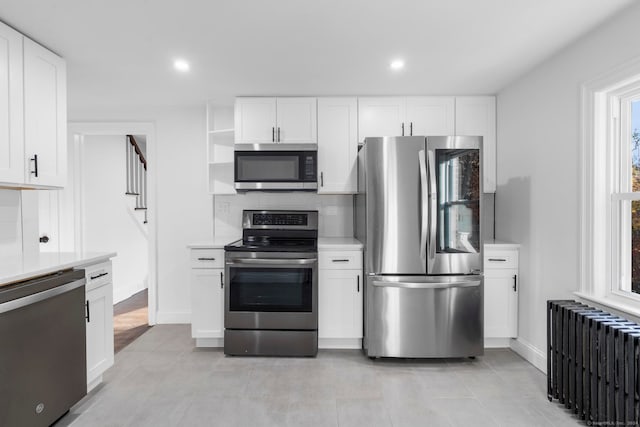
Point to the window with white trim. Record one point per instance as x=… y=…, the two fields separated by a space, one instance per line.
x=625 y=197
x=610 y=188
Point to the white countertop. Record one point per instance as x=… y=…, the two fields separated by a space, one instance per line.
x=500 y=244
x=339 y=243
x=17 y=268
x=218 y=242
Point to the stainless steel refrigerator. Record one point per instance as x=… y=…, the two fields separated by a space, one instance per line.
x=418 y=212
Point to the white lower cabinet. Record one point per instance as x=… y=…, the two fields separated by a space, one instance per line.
x=340 y=301
x=501 y=285
x=207 y=297
x=99 y=317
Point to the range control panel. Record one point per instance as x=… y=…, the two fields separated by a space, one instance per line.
x=279 y=219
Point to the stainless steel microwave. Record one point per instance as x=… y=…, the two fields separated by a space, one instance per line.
x=276 y=167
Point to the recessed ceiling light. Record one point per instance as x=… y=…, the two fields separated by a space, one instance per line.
x=181 y=65
x=397 y=64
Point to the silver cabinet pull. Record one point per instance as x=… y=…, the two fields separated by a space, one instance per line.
x=206 y=259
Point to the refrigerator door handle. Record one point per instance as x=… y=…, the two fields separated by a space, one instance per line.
x=427 y=285
x=433 y=212
x=424 y=195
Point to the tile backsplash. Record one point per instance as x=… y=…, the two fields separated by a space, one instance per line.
x=335 y=211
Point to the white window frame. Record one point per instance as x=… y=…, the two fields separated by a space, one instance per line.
x=603 y=270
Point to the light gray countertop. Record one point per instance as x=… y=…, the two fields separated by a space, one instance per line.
x=500 y=244
x=18 y=268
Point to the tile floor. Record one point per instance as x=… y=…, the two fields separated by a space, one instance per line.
x=161 y=379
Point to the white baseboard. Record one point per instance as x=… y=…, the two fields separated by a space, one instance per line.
x=497 y=342
x=124 y=292
x=173 y=317
x=209 y=342
x=531 y=353
x=340 y=343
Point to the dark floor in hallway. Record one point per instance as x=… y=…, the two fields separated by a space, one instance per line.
x=130 y=319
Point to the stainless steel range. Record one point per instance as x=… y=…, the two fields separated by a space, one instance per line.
x=271 y=297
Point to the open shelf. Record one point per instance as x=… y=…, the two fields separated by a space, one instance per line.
x=221 y=131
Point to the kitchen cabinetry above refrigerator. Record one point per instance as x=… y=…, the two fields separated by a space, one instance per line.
x=434 y=116
x=264 y=120
x=33 y=138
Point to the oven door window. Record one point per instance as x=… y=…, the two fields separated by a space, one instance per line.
x=271 y=289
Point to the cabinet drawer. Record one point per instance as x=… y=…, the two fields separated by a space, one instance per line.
x=207 y=258
x=98 y=275
x=500 y=259
x=340 y=260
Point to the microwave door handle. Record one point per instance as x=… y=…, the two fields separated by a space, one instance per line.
x=433 y=211
x=424 y=214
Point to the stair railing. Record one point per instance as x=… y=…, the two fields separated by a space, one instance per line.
x=136 y=174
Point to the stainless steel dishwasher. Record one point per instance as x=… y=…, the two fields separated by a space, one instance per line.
x=42 y=348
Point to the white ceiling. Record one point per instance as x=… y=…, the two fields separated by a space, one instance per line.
x=120 y=52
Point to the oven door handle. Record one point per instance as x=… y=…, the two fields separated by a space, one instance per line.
x=272 y=261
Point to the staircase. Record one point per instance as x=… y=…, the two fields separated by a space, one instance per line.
x=137 y=175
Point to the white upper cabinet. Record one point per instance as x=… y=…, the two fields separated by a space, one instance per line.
x=11 y=124
x=255 y=120
x=476 y=116
x=260 y=120
x=45 y=116
x=296 y=120
x=337 y=145
x=33 y=116
x=430 y=115
x=383 y=116
x=406 y=116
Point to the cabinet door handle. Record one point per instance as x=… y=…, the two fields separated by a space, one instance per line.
x=273 y=134
x=358 y=286
x=97 y=276
x=410 y=128
x=498 y=259
x=221 y=280
x=402 y=129
x=88 y=316
x=34 y=159
x=206 y=259
x=278 y=134
x=515 y=283
x=339 y=260
x=321 y=179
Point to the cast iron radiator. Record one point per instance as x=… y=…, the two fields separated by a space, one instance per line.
x=593 y=363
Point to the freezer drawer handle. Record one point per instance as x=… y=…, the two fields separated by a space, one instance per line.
x=435 y=285
x=206 y=259
x=498 y=259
